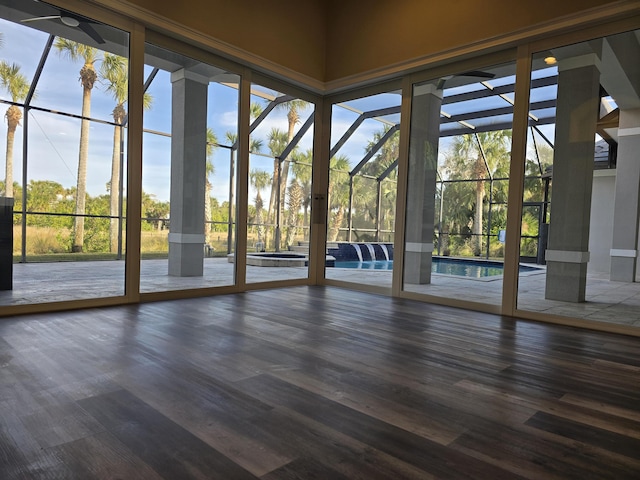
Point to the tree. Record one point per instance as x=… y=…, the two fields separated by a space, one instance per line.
x=456 y=214
x=277 y=142
x=302 y=169
x=88 y=77
x=212 y=144
x=155 y=212
x=114 y=70
x=280 y=165
x=293 y=108
x=366 y=198
x=295 y=194
x=255 y=146
x=466 y=150
x=17 y=85
x=338 y=194
x=42 y=195
x=259 y=179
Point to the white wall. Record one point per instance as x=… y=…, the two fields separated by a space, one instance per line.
x=601 y=222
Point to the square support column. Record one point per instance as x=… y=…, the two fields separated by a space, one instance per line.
x=423 y=165
x=624 y=251
x=188 y=173
x=576 y=118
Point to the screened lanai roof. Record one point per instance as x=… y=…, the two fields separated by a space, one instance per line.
x=482 y=101
x=478 y=106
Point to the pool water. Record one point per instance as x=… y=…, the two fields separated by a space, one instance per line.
x=466 y=268
x=447 y=266
x=366 y=265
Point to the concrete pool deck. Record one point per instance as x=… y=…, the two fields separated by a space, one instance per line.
x=613 y=302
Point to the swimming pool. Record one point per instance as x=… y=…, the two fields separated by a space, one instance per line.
x=446 y=266
x=366 y=265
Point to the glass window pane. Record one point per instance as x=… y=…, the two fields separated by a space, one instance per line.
x=281 y=146
x=459 y=158
x=365 y=140
x=580 y=215
x=66 y=96
x=188 y=173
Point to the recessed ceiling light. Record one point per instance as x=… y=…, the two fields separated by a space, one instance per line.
x=550 y=60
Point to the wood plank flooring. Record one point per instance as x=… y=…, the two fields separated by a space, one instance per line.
x=313 y=383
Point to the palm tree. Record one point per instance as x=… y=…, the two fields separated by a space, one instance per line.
x=302 y=169
x=255 y=145
x=456 y=214
x=259 y=179
x=338 y=194
x=496 y=150
x=114 y=70
x=281 y=172
x=277 y=142
x=255 y=109
x=88 y=77
x=388 y=191
x=212 y=144
x=293 y=108
x=295 y=193
x=17 y=85
x=384 y=158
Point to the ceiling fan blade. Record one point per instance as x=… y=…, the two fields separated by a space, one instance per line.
x=34 y=19
x=89 y=30
x=71 y=21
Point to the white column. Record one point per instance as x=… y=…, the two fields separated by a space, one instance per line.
x=188 y=173
x=576 y=118
x=423 y=164
x=624 y=248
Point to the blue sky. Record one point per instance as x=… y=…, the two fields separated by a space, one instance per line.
x=54 y=139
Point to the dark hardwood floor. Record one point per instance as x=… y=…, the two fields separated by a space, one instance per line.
x=313 y=383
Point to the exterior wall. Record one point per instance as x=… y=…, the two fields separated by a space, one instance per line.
x=601 y=222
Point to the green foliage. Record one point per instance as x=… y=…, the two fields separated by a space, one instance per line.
x=470 y=165
x=219 y=216
x=96 y=237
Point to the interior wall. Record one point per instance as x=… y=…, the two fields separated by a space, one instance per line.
x=329 y=40
x=289 y=33
x=378 y=34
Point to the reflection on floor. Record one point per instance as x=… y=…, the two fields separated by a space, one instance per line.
x=607 y=301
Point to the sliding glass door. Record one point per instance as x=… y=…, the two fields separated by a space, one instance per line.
x=363 y=183
x=580 y=218
x=279 y=201
x=190 y=152
x=64 y=87
x=458 y=179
